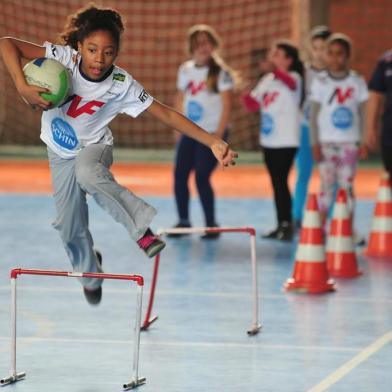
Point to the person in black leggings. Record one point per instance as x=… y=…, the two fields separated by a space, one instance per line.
x=279 y=162
x=279 y=95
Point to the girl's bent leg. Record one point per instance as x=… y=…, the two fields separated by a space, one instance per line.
x=94 y=177
x=72 y=218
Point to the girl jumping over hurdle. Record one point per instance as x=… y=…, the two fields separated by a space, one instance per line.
x=80 y=163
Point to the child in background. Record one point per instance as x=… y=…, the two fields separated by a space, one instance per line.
x=317 y=51
x=79 y=141
x=338 y=106
x=205 y=87
x=279 y=96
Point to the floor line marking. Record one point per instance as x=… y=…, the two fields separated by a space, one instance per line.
x=347 y=367
x=33 y=339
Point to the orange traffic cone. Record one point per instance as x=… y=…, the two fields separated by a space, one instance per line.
x=341 y=257
x=380 y=239
x=310 y=271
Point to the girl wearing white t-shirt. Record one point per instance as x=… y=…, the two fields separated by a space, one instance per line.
x=338 y=105
x=79 y=140
x=204 y=93
x=279 y=96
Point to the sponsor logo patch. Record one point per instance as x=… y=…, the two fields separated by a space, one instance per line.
x=143 y=96
x=119 y=77
x=63 y=134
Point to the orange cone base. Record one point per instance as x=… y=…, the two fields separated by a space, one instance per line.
x=380 y=245
x=342 y=265
x=301 y=287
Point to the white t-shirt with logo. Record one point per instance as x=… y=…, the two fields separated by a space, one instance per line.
x=339 y=100
x=202 y=106
x=83 y=119
x=280 y=113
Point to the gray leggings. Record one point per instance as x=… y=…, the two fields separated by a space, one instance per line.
x=89 y=173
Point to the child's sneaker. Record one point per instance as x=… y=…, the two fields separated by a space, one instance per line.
x=94 y=296
x=151 y=244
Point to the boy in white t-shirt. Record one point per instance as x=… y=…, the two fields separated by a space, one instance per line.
x=79 y=140
x=338 y=105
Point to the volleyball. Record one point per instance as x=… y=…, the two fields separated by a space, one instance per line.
x=50 y=74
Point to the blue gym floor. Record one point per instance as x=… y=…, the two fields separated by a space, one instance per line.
x=337 y=341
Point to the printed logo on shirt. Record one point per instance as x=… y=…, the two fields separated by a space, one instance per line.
x=195 y=88
x=119 y=76
x=143 y=96
x=269 y=98
x=267 y=124
x=75 y=110
x=341 y=95
x=54 y=50
x=194 y=111
x=63 y=134
x=342 y=118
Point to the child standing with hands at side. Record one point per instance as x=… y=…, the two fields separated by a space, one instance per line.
x=89 y=47
x=204 y=94
x=337 y=118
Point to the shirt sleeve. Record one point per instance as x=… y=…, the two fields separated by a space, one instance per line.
x=377 y=81
x=261 y=87
x=182 y=81
x=63 y=54
x=135 y=100
x=225 y=81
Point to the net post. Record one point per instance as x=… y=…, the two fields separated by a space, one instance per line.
x=14 y=376
x=255 y=327
x=136 y=381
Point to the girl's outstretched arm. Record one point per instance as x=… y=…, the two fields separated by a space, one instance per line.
x=171 y=117
x=12 y=50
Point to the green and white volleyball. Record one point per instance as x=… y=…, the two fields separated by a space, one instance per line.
x=50 y=74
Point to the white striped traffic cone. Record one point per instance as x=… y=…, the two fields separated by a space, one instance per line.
x=310 y=271
x=380 y=238
x=341 y=257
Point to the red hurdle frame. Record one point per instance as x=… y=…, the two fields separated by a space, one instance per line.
x=14 y=376
x=255 y=327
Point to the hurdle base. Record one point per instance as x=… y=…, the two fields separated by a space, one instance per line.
x=134 y=384
x=254 y=330
x=146 y=324
x=13 y=378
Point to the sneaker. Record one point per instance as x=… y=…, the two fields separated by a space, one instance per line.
x=284 y=232
x=359 y=240
x=179 y=225
x=151 y=244
x=211 y=236
x=94 y=296
x=271 y=234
